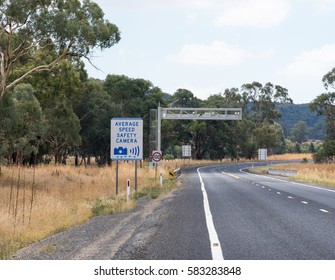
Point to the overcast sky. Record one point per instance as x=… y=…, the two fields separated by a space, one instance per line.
x=206 y=46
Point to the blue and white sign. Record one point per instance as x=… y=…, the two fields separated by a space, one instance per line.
x=126 y=139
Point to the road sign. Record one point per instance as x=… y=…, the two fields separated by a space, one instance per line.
x=186 y=150
x=156 y=156
x=262 y=154
x=126 y=139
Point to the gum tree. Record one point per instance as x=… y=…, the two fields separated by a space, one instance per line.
x=63 y=29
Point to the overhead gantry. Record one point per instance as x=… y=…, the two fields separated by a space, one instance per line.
x=195 y=114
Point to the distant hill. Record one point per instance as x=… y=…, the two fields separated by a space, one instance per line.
x=293 y=113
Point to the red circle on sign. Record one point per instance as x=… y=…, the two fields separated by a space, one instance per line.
x=156 y=156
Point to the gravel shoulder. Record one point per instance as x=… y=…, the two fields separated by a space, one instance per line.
x=106 y=237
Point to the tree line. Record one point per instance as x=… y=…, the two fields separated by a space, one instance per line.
x=50 y=108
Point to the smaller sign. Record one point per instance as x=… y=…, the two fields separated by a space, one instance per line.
x=156 y=156
x=262 y=154
x=186 y=150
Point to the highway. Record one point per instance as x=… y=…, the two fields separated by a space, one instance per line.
x=222 y=212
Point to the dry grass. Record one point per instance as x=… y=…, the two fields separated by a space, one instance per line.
x=35 y=203
x=321 y=174
x=290 y=157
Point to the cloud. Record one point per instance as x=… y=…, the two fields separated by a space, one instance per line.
x=314 y=63
x=268 y=53
x=201 y=92
x=324 y=5
x=217 y=53
x=154 y=4
x=256 y=13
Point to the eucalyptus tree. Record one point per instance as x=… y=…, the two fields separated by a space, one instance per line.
x=329 y=79
x=184 y=98
x=324 y=105
x=300 y=132
x=262 y=101
x=21 y=125
x=131 y=94
x=62 y=29
x=95 y=109
x=225 y=136
x=62 y=129
x=199 y=134
x=230 y=98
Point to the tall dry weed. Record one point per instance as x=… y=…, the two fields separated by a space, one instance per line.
x=36 y=202
x=321 y=174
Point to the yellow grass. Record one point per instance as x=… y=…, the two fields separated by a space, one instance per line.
x=35 y=203
x=321 y=174
x=290 y=157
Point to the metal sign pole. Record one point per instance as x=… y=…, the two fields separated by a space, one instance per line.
x=159 y=120
x=117 y=177
x=135 y=175
x=156 y=164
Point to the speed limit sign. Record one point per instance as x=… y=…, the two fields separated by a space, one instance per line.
x=156 y=156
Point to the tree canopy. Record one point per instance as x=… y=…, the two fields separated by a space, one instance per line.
x=56 y=29
x=50 y=108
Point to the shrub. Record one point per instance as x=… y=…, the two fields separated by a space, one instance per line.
x=168 y=157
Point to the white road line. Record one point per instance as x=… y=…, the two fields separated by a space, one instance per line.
x=290 y=197
x=213 y=236
x=324 y=211
x=304 y=202
x=278 y=192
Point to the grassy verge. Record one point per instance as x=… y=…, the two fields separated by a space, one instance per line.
x=38 y=202
x=320 y=174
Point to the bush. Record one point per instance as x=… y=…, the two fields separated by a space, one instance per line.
x=326 y=153
x=168 y=157
x=304 y=160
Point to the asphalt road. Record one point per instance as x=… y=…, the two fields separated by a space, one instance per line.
x=255 y=217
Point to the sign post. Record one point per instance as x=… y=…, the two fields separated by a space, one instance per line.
x=126 y=141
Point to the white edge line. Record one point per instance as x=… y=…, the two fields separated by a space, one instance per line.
x=213 y=236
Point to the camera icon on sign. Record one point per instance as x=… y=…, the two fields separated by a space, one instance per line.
x=120 y=151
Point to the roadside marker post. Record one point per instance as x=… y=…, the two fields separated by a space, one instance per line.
x=128 y=189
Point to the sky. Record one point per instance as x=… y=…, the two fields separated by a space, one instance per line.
x=207 y=46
